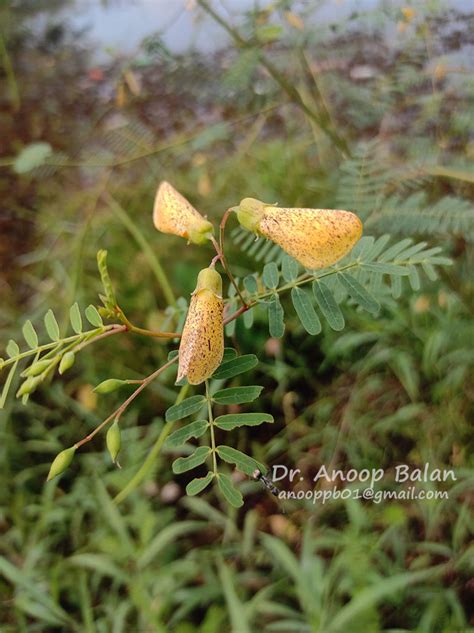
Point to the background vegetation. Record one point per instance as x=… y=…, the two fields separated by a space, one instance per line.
x=369 y=112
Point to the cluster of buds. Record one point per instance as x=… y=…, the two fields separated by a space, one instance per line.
x=316 y=238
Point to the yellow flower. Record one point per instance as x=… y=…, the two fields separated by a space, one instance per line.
x=202 y=341
x=408 y=13
x=172 y=213
x=315 y=237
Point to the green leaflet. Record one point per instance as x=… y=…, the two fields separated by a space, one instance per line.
x=194 y=429
x=305 y=310
x=289 y=268
x=359 y=293
x=276 y=322
x=12 y=349
x=231 y=494
x=75 y=318
x=250 y=284
x=183 y=409
x=243 y=462
x=235 y=366
x=93 y=316
x=271 y=275
x=198 y=484
x=328 y=305
x=30 y=335
x=183 y=464
x=237 y=395
x=234 y=420
x=51 y=325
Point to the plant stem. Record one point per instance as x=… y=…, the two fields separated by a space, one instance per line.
x=143 y=331
x=221 y=256
x=118 y=412
x=147 y=465
x=211 y=428
x=281 y=80
x=149 y=253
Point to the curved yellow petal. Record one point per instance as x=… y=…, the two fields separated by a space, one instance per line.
x=202 y=342
x=315 y=237
x=172 y=213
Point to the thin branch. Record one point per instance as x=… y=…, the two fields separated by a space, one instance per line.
x=118 y=412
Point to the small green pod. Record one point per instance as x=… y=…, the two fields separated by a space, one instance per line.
x=109 y=385
x=67 y=361
x=37 y=368
x=28 y=386
x=61 y=462
x=114 y=441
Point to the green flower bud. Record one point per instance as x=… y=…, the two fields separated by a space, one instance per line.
x=209 y=279
x=109 y=385
x=37 y=368
x=250 y=212
x=28 y=386
x=114 y=441
x=61 y=462
x=67 y=361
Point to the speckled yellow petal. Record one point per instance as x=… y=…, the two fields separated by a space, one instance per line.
x=315 y=237
x=172 y=213
x=202 y=341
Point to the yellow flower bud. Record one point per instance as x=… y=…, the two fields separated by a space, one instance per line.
x=202 y=341
x=315 y=237
x=173 y=214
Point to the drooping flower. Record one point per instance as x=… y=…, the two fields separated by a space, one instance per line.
x=315 y=237
x=202 y=341
x=172 y=213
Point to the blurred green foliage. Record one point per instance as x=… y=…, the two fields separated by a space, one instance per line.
x=396 y=389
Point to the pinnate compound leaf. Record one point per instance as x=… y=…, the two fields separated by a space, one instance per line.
x=328 y=305
x=30 y=335
x=75 y=318
x=194 y=429
x=183 y=409
x=234 y=420
x=230 y=492
x=242 y=461
x=183 y=464
x=305 y=310
x=235 y=366
x=237 y=395
x=359 y=293
x=197 y=485
x=51 y=325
